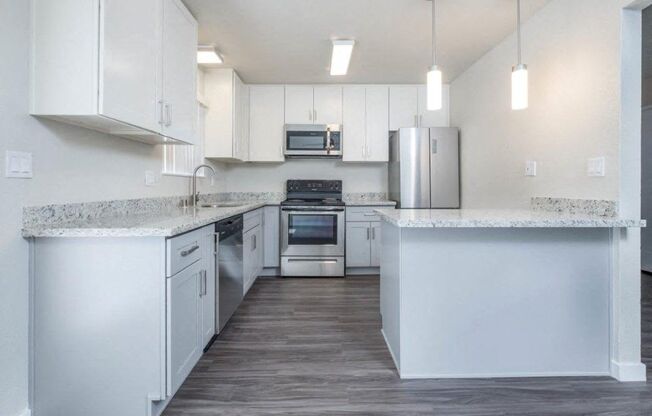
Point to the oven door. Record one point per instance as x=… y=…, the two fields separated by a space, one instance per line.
x=312 y=231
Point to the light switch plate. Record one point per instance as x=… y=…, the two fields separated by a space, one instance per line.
x=18 y=164
x=596 y=166
x=150 y=178
x=530 y=168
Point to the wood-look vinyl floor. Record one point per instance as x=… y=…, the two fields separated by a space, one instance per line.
x=313 y=347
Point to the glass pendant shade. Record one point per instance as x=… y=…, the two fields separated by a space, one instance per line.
x=519 y=87
x=434 y=89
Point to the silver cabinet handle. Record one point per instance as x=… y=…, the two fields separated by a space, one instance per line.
x=368 y=233
x=201 y=283
x=369 y=214
x=191 y=250
x=323 y=261
x=162 y=112
x=373 y=233
x=310 y=115
x=315 y=118
x=168 y=116
x=205 y=282
x=254 y=243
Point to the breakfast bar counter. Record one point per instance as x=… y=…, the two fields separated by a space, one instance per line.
x=499 y=293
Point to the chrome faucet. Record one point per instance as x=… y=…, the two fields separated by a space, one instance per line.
x=194 y=198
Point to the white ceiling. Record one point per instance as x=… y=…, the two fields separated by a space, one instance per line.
x=289 y=41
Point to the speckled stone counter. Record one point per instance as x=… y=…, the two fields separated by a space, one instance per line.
x=154 y=224
x=478 y=218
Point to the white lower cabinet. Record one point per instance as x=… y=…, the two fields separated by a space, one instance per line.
x=363 y=243
x=184 y=321
x=190 y=305
x=252 y=248
x=272 y=237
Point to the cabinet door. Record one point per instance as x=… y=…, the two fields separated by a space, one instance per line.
x=130 y=43
x=439 y=118
x=271 y=235
x=403 y=107
x=183 y=320
x=208 y=285
x=179 y=72
x=354 y=129
x=248 y=260
x=328 y=105
x=377 y=124
x=298 y=104
x=219 y=126
x=243 y=114
x=375 y=244
x=266 y=119
x=258 y=251
x=358 y=247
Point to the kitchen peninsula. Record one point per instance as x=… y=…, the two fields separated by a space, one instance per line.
x=500 y=293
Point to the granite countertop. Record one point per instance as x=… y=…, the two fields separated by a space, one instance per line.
x=499 y=218
x=158 y=224
x=369 y=203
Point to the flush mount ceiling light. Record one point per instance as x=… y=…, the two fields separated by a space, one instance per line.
x=434 y=80
x=519 y=72
x=342 y=50
x=207 y=54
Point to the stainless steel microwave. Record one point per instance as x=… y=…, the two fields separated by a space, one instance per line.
x=313 y=140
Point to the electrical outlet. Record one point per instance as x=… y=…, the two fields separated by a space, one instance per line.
x=150 y=178
x=530 y=168
x=18 y=165
x=596 y=166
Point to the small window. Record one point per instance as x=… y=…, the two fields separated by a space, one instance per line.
x=180 y=160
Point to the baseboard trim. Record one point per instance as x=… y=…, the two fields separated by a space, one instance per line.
x=398 y=367
x=503 y=375
x=628 y=372
x=363 y=271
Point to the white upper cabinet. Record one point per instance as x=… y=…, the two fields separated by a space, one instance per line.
x=408 y=108
x=327 y=105
x=179 y=96
x=354 y=126
x=129 y=35
x=366 y=123
x=126 y=68
x=403 y=106
x=377 y=123
x=306 y=104
x=299 y=104
x=439 y=118
x=266 y=119
x=227 y=119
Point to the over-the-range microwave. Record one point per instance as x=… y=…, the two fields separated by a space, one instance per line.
x=313 y=141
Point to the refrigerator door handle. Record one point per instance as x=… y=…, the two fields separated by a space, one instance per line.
x=433 y=146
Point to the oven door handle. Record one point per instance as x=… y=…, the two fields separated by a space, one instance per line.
x=314 y=210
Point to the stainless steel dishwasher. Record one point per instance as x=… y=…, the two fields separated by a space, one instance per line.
x=230 y=268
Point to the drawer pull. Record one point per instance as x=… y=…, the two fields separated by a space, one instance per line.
x=370 y=214
x=191 y=250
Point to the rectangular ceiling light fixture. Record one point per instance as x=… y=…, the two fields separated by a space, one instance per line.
x=207 y=54
x=341 y=57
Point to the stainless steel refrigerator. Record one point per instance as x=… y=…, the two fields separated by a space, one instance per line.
x=424 y=167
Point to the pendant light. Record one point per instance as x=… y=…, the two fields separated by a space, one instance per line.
x=434 y=80
x=519 y=72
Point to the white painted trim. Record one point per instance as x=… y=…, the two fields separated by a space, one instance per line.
x=26 y=412
x=628 y=372
x=389 y=347
x=502 y=375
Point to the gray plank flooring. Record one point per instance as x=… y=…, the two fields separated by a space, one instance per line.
x=313 y=347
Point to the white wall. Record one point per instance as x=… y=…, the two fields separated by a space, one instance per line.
x=572 y=50
x=70 y=165
x=356 y=177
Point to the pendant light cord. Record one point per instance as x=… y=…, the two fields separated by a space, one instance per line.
x=434 y=35
x=518 y=29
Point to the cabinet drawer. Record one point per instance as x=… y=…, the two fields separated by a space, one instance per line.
x=252 y=219
x=361 y=214
x=182 y=251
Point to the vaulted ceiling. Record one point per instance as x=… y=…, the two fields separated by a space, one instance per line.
x=289 y=41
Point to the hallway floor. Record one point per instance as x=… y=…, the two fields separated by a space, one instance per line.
x=313 y=347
